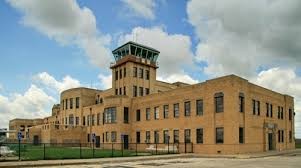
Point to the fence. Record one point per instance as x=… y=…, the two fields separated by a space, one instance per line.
x=44 y=151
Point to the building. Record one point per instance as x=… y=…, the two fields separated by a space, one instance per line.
x=226 y=115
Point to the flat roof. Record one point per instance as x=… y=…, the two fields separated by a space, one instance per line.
x=137 y=44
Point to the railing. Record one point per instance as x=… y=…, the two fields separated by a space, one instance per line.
x=45 y=151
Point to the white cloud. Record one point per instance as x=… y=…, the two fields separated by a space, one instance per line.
x=32 y=104
x=178 y=78
x=246 y=34
x=141 y=8
x=105 y=81
x=175 y=49
x=67 y=23
x=284 y=81
x=49 y=82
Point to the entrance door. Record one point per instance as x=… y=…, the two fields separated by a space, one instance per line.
x=97 y=141
x=125 y=141
x=270 y=135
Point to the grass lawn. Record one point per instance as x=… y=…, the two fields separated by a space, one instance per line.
x=298 y=145
x=30 y=152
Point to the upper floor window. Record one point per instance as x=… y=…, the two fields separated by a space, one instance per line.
x=93 y=119
x=110 y=115
x=84 y=120
x=71 y=103
x=156 y=113
x=146 y=91
x=66 y=104
x=241 y=102
x=135 y=72
x=199 y=107
x=271 y=110
x=187 y=108
x=124 y=72
x=267 y=109
x=116 y=91
x=165 y=111
x=138 y=115
x=290 y=114
x=279 y=112
x=125 y=115
x=256 y=107
x=147 y=114
x=63 y=104
x=140 y=91
x=98 y=119
x=116 y=75
x=219 y=102
x=147 y=74
x=140 y=73
x=77 y=102
x=120 y=74
x=176 y=110
x=124 y=90
x=134 y=91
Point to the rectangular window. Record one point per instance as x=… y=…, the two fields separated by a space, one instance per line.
x=147 y=74
x=140 y=73
x=187 y=108
x=110 y=115
x=98 y=119
x=187 y=136
x=258 y=107
x=267 y=108
x=282 y=136
x=176 y=110
x=241 y=104
x=84 y=120
x=120 y=91
x=66 y=103
x=107 y=136
x=147 y=136
x=120 y=74
x=138 y=115
x=241 y=135
x=88 y=120
x=93 y=117
x=254 y=106
x=134 y=91
x=76 y=120
x=146 y=91
x=116 y=91
x=140 y=91
x=271 y=110
x=113 y=136
x=124 y=90
x=147 y=114
x=63 y=102
x=219 y=135
x=290 y=114
x=125 y=115
x=116 y=75
x=279 y=136
x=281 y=112
x=124 y=72
x=88 y=137
x=156 y=136
x=278 y=116
x=135 y=72
x=165 y=111
x=156 y=113
x=199 y=135
x=290 y=136
x=166 y=137
x=175 y=136
x=77 y=102
x=199 y=107
x=219 y=102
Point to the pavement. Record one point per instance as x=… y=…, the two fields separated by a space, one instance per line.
x=162 y=158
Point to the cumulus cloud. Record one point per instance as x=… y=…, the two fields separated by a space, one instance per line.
x=286 y=81
x=175 y=49
x=67 y=23
x=32 y=104
x=179 y=78
x=141 y=8
x=49 y=82
x=247 y=34
x=105 y=81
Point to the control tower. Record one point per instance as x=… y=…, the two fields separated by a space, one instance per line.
x=134 y=69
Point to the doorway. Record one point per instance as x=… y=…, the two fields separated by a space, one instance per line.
x=270 y=141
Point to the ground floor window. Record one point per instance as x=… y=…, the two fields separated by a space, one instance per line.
x=199 y=135
x=166 y=136
x=241 y=135
x=147 y=135
x=187 y=136
x=175 y=136
x=138 y=137
x=156 y=136
x=219 y=135
x=113 y=136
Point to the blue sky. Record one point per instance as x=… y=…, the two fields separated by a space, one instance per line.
x=50 y=46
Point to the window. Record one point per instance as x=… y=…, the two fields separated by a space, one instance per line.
x=267 y=108
x=281 y=112
x=138 y=115
x=141 y=91
x=134 y=91
x=199 y=107
x=166 y=137
x=116 y=91
x=77 y=102
x=88 y=137
x=146 y=91
x=77 y=120
x=165 y=111
x=135 y=72
x=256 y=107
x=140 y=73
x=219 y=102
x=156 y=136
x=271 y=110
x=241 y=103
x=125 y=115
x=124 y=90
x=84 y=120
x=88 y=120
x=175 y=136
x=241 y=135
x=63 y=103
x=66 y=104
x=278 y=116
x=187 y=108
x=110 y=115
x=120 y=91
x=120 y=74
x=279 y=136
x=176 y=110
x=187 y=136
x=282 y=136
x=98 y=119
x=290 y=136
x=219 y=135
x=156 y=113
x=93 y=119
x=107 y=136
x=116 y=75
x=290 y=114
x=124 y=72
x=147 y=74
x=199 y=135
x=71 y=119
x=147 y=136
x=147 y=114
x=113 y=136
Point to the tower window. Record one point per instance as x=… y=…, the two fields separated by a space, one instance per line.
x=147 y=74
x=135 y=72
x=120 y=73
x=140 y=73
x=116 y=75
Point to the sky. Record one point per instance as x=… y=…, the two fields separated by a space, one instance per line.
x=52 y=45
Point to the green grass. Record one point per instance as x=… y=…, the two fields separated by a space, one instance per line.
x=298 y=145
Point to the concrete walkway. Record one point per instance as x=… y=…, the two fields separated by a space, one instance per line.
x=100 y=161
